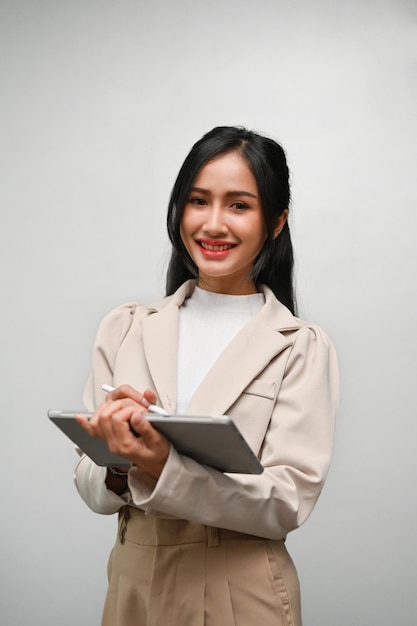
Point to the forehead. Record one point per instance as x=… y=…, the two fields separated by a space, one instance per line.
x=228 y=170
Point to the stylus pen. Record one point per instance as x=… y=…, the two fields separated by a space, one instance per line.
x=152 y=408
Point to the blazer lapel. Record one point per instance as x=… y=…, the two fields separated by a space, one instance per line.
x=160 y=341
x=240 y=363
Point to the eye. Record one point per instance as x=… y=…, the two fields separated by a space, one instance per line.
x=196 y=201
x=240 y=206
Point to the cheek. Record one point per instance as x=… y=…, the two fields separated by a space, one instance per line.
x=185 y=231
x=259 y=244
x=189 y=225
x=262 y=233
x=185 y=224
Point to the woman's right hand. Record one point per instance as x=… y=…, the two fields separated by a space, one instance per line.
x=121 y=423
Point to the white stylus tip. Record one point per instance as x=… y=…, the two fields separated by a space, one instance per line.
x=157 y=409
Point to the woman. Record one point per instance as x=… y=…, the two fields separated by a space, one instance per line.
x=196 y=546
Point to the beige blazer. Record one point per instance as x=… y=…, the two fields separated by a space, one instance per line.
x=278 y=379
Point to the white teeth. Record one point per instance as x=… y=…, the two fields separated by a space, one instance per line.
x=207 y=246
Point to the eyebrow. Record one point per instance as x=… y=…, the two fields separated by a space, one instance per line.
x=229 y=194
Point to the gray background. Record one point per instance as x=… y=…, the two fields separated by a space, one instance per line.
x=100 y=102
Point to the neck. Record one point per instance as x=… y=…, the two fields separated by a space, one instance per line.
x=231 y=288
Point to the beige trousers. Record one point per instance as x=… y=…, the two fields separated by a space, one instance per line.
x=165 y=572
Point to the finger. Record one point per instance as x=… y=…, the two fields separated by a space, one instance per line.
x=150 y=454
x=151 y=449
x=119 y=435
x=149 y=397
x=91 y=425
x=84 y=422
x=99 y=425
x=126 y=391
x=116 y=416
x=151 y=437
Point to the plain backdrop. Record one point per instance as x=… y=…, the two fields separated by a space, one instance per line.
x=100 y=102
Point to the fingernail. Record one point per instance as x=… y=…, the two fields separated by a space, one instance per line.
x=144 y=402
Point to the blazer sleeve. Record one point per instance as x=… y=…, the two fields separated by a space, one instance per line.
x=90 y=478
x=296 y=454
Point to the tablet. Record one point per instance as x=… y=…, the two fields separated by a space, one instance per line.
x=211 y=440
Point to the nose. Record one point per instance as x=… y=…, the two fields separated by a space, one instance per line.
x=215 y=223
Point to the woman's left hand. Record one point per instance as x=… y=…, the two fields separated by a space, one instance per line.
x=120 y=421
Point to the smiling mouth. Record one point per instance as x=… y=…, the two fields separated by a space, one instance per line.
x=217 y=248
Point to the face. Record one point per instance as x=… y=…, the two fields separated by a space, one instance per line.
x=223 y=227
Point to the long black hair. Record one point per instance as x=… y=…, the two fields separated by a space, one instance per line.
x=266 y=158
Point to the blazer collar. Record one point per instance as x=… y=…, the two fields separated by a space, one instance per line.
x=160 y=342
x=237 y=365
